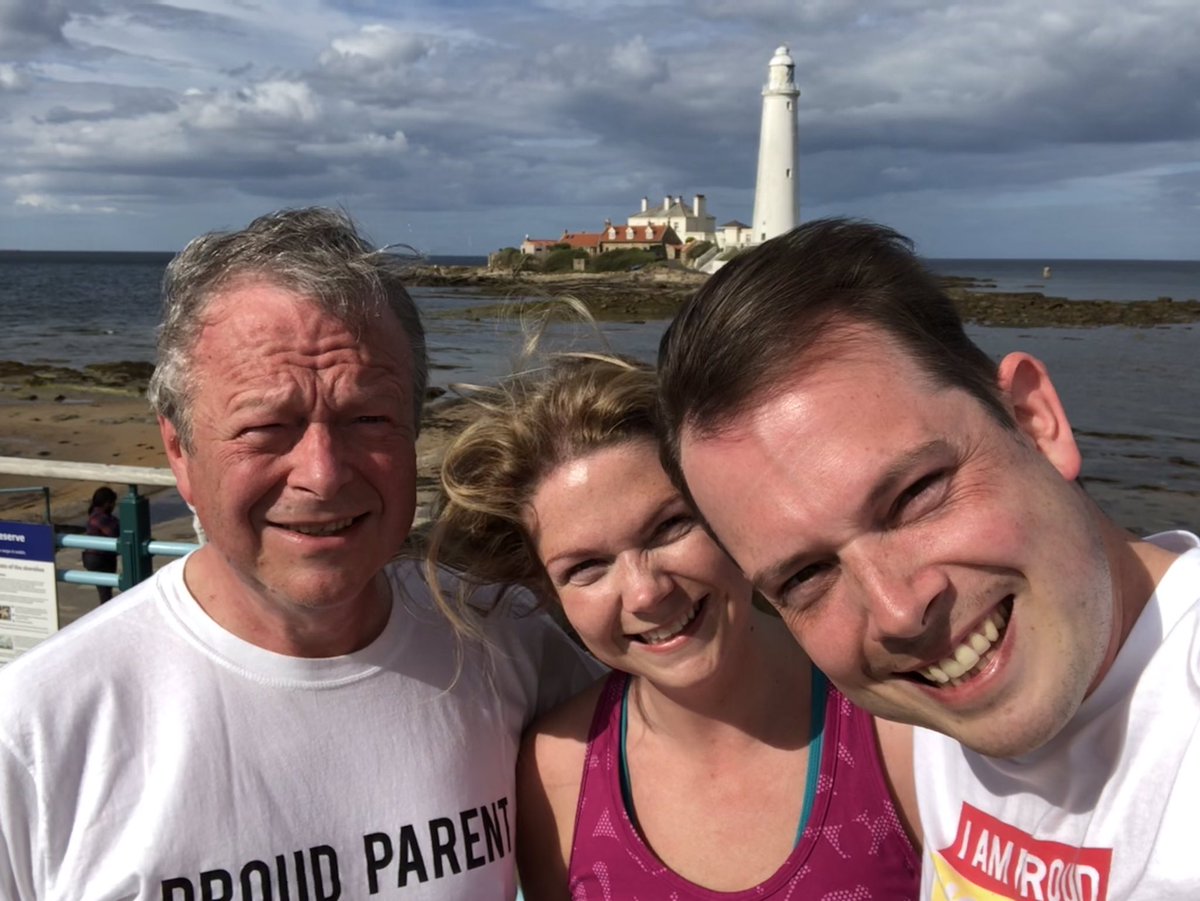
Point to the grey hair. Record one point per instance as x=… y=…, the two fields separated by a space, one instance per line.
x=316 y=253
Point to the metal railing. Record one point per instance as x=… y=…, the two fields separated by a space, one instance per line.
x=135 y=546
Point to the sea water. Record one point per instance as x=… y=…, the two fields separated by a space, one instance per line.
x=1082 y=279
x=1128 y=391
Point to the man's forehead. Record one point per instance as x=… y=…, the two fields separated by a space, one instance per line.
x=848 y=356
x=855 y=430
x=251 y=297
x=244 y=343
x=261 y=307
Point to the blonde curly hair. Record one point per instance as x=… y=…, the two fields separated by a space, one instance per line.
x=531 y=423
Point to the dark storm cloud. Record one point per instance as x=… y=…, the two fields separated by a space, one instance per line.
x=167 y=16
x=27 y=26
x=664 y=137
x=1180 y=190
x=125 y=104
x=1092 y=100
x=846 y=176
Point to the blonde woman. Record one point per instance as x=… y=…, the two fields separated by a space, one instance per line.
x=714 y=761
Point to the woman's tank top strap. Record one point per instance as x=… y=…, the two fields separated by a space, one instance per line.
x=859 y=824
x=853 y=843
x=602 y=830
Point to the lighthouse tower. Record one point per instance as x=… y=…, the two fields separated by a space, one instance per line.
x=775 y=206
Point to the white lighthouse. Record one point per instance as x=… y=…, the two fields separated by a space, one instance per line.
x=775 y=207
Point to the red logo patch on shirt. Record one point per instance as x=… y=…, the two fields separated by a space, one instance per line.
x=991 y=860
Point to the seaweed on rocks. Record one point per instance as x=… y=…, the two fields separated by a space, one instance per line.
x=658 y=292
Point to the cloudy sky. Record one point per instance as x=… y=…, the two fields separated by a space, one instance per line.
x=1006 y=128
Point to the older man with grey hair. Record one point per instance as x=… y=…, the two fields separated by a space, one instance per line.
x=289 y=712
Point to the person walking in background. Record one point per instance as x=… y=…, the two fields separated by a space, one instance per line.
x=101 y=522
x=715 y=758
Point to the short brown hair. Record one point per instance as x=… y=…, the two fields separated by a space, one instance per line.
x=761 y=314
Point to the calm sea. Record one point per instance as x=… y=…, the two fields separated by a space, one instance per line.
x=1083 y=279
x=1130 y=392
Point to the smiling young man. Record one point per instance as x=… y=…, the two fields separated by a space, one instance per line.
x=914 y=512
x=285 y=713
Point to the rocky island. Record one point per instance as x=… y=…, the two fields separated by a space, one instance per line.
x=656 y=292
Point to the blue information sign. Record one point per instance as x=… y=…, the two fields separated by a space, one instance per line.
x=25 y=541
x=28 y=589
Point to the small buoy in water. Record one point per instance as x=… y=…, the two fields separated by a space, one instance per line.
x=1045 y=272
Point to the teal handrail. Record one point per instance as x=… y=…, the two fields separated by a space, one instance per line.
x=135 y=546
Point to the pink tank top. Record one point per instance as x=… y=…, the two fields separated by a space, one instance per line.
x=852 y=846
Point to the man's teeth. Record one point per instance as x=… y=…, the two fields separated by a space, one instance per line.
x=326 y=528
x=968 y=656
x=657 y=636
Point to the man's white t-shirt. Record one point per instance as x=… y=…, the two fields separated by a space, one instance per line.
x=1108 y=808
x=146 y=753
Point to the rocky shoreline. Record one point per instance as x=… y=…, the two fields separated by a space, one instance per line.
x=657 y=293
x=651 y=294
x=654 y=293
x=1033 y=309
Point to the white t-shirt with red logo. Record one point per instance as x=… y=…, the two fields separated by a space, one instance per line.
x=1106 y=810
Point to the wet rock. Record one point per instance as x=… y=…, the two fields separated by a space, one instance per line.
x=1033 y=309
x=122 y=373
x=658 y=293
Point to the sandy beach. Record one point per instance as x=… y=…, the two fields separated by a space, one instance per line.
x=86 y=425
x=78 y=423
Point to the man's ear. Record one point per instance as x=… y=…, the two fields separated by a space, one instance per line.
x=1039 y=414
x=177 y=458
